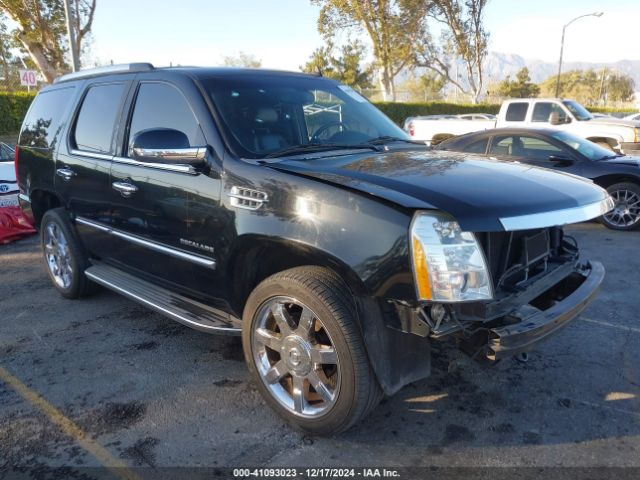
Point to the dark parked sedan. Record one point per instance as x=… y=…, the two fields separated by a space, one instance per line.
x=564 y=152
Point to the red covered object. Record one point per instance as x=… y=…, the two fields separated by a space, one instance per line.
x=13 y=225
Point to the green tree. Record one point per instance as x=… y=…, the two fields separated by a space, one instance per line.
x=321 y=62
x=521 y=87
x=619 y=87
x=40 y=30
x=346 y=67
x=425 y=87
x=394 y=27
x=463 y=37
x=242 y=60
x=589 y=87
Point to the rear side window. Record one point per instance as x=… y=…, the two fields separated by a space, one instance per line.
x=160 y=105
x=516 y=112
x=479 y=146
x=45 y=118
x=502 y=145
x=96 y=120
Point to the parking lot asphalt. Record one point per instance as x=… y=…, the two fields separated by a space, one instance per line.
x=142 y=390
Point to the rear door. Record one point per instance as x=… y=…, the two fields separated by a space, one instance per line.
x=84 y=162
x=151 y=218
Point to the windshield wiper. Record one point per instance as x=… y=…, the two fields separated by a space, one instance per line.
x=388 y=138
x=317 y=147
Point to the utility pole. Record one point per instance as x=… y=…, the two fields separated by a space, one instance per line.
x=595 y=14
x=75 y=64
x=604 y=74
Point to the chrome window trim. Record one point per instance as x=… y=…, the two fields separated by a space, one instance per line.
x=558 y=217
x=193 y=153
x=199 y=260
x=180 y=168
x=84 y=153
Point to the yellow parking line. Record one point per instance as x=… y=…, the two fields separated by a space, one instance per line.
x=117 y=467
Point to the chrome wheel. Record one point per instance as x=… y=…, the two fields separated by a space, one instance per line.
x=295 y=357
x=57 y=255
x=626 y=211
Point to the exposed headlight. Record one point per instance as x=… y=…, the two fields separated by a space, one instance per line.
x=448 y=264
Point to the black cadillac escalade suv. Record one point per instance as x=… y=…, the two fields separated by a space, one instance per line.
x=287 y=209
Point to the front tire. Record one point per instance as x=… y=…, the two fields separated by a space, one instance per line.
x=626 y=212
x=304 y=349
x=63 y=254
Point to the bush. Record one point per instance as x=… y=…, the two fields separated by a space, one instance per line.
x=399 y=111
x=611 y=110
x=13 y=108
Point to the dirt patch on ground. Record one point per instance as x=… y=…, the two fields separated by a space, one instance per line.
x=113 y=417
x=141 y=452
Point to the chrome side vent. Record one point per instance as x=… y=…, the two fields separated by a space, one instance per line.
x=247 y=198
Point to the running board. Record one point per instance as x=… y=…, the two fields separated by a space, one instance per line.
x=175 y=306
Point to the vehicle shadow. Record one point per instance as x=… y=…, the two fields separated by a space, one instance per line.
x=545 y=401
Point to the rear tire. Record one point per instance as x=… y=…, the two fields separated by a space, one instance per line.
x=300 y=326
x=64 y=257
x=626 y=212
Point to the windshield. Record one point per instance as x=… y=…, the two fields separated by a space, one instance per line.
x=589 y=149
x=263 y=114
x=578 y=110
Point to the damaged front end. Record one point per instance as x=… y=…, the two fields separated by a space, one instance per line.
x=539 y=285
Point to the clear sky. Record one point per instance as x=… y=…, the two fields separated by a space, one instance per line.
x=283 y=32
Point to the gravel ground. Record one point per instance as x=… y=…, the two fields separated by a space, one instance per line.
x=156 y=394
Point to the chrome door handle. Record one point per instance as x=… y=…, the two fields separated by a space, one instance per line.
x=65 y=173
x=125 y=189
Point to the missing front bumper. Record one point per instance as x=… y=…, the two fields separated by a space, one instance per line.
x=545 y=316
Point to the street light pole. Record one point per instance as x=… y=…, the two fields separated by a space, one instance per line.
x=595 y=14
x=72 y=42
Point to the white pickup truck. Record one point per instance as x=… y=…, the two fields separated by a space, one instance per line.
x=616 y=134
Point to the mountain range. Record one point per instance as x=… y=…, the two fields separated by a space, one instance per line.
x=499 y=65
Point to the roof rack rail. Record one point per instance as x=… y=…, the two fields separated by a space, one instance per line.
x=92 y=72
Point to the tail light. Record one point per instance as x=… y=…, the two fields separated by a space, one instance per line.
x=412 y=130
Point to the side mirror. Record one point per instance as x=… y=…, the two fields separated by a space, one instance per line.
x=556 y=119
x=165 y=145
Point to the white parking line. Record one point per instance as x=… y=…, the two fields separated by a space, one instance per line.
x=611 y=325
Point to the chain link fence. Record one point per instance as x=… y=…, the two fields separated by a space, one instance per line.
x=10 y=81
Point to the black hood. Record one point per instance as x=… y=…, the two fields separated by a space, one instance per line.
x=479 y=193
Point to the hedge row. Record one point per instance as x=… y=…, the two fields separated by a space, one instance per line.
x=399 y=111
x=13 y=107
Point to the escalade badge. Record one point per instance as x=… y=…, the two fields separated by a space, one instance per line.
x=198 y=245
